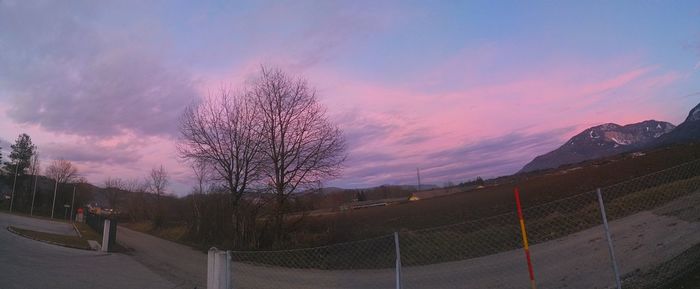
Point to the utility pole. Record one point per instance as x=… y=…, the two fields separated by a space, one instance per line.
x=72 y=203
x=14 y=184
x=418 y=173
x=35 y=171
x=36 y=177
x=53 y=206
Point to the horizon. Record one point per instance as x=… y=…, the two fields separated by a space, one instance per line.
x=458 y=90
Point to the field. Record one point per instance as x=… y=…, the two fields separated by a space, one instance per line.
x=497 y=198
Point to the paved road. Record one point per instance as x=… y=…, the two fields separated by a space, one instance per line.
x=178 y=263
x=29 y=264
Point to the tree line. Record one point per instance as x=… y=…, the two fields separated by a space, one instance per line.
x=25 y=190
x=251 y=152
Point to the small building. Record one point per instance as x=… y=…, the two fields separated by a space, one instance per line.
x=422 y=195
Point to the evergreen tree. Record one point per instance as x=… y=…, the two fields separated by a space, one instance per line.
x=22 y=152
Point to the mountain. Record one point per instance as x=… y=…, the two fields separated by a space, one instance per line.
x=602 y=141
x=687 y=131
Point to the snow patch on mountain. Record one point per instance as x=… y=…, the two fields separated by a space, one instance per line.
x=695 y=115
x=620 y=142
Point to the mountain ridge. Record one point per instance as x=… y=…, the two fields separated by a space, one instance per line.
x=610 y=139
x=602 y=141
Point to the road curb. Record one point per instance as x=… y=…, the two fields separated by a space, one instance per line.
x=9 y=228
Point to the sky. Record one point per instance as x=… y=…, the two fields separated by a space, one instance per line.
x=458 y=89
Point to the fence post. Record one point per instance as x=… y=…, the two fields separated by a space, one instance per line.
x=607 y=236
x=399 y=284
x=218 y=269
x=523 y=232
x=105 y=236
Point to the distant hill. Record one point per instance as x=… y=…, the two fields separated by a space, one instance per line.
x=602 y=141
x=687 y=131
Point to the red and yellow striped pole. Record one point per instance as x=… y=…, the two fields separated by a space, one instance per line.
x=524 y=233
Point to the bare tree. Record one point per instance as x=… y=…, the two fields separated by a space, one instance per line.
x=113 y=190
x=158 y=181
x=301 y=146
x=221 y=132
x=136 y=203
x=62 y=171
x=201 y=172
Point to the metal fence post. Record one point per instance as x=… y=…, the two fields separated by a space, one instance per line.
x=399 y=284
x=607 y=236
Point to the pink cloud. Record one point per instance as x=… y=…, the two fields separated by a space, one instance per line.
x=417 y=122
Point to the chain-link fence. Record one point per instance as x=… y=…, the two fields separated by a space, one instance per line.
x=654 y=224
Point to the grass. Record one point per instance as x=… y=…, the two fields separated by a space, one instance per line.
x=71 y=241
x=87 y=233
x=690 y=280
x=172 y=232
x=168 y=232
x=681 y=272
x=57 y=239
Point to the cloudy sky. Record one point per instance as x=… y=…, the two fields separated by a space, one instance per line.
x=460 y=89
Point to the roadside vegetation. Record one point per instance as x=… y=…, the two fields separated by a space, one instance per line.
x=71 y=241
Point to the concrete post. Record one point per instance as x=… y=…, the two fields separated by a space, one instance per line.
x=218 y=269
x=105 y=236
